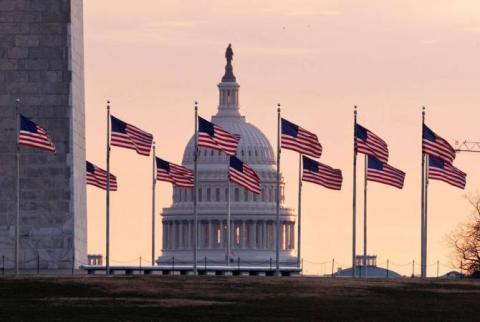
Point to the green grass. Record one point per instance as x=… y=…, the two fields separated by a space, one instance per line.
x=157 y=298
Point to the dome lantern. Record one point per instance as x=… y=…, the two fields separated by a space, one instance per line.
x=228 y=89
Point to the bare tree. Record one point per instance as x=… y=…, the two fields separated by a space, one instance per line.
x=465 y=241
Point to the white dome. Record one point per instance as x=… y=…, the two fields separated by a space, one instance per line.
x=254 y=148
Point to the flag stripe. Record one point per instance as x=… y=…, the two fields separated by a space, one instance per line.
x=32 y=135
x=178 y=175
x=432 y=144
x=128 y=136
x=243 y=175
x=384 y=173
x=214 y=137
x=98 y=177
x=300 y=140
x=324 y=175
x=369 y=143
x=439 y=169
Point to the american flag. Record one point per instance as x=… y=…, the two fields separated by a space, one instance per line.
x=435 y=145
x=178 y=175
x=243 y=175
x=214 y=137
x=321 y=174
x=439 y=169
x=384 y=173
x=34 y=136
x=371 y=144
x=298 y=139
x=98 y=177
x=131 y=137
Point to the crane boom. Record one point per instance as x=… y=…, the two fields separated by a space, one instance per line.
x=467 y=146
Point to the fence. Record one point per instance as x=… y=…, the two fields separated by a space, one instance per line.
x=329 y=268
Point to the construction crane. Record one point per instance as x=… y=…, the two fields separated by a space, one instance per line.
x=467 y=146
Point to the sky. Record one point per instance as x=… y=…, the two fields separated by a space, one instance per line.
x=154 y=58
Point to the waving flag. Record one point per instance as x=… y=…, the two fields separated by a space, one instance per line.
x=384 y=173
x=34 y=136
x=243 y=175
x=178 y=175
x=131 y=137
x=321 y=174
x=98 y=177
x=439 y=169
x=435 y=145
x=298 y=139
x=214 y=137
x=371 y=144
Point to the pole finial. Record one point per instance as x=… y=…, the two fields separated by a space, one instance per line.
x=278 y=107
x=196 y=106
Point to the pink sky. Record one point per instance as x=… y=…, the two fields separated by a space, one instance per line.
x=153 y=59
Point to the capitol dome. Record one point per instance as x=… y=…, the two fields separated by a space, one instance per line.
x=253 y=217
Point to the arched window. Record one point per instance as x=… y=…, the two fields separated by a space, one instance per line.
x=245 y=195
x=199 y=194
x=208 y=194
x=217 y=194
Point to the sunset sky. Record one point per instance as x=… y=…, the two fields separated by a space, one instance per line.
x=154 y=58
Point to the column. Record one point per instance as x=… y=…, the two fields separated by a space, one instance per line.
x=185 y=234
x=164 y=235
x=189 y=234
x=174 y=235
x=254 y=235
x=210 y=234
x=243 y=235
x=292 y=235
x=264 y=237
x=192 y=236
x=180 y=234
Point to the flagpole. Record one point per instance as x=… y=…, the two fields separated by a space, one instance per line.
x=425 y=216
x=107 y=239
x=228 y=225
x=277 y=248
x=299 y=224
x=154 y=181
x=365 y=219
x=195 y=214
x=354 y=203
x=422 y=210
x=17 y=224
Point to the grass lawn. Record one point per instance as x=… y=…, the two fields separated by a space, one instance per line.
x=179 y=298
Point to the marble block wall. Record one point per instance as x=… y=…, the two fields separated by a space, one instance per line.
x=41 y=63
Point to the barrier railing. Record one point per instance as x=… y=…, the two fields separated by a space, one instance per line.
x=328 y=268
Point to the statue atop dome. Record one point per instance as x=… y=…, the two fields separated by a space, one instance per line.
x=229 y=54
x=229 y=77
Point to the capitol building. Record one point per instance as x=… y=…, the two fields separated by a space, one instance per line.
x=253 y=217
